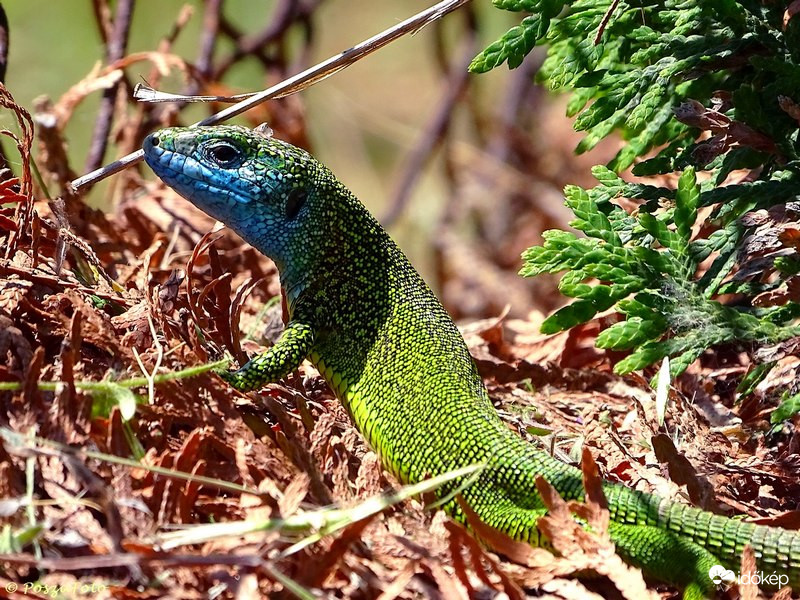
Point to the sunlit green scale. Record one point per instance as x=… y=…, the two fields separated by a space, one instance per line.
x=390 y=352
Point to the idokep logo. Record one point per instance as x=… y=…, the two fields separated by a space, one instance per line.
x=720 y=575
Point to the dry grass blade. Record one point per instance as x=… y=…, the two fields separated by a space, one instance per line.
x=314 y=525
x=144 y=93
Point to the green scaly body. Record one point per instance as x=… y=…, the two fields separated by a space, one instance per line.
x=364 y=317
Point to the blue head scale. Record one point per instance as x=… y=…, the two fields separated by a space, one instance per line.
x=257 y=185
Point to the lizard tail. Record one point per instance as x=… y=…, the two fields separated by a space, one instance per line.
x=777 y=550
x=698 y=540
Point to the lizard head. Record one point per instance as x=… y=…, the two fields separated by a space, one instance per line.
x=261 y=187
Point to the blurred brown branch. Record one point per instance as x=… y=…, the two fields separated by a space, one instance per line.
x=116 y=45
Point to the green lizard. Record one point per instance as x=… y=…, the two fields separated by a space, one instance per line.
x=365 y=318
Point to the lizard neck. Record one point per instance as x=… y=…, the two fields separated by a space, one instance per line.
x=294 y=283
x=331 y=256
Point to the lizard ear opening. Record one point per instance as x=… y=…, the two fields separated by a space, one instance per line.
x=295 y=201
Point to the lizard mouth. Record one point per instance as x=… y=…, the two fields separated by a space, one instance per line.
x=178 y=167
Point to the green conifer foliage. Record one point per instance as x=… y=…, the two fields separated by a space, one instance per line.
x=709 y=92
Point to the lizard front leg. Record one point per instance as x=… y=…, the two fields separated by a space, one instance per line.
x=285 y=356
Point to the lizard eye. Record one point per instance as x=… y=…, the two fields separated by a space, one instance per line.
x=295 y=201
x=226 y=155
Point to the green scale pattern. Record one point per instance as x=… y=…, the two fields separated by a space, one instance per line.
x=365 y=318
